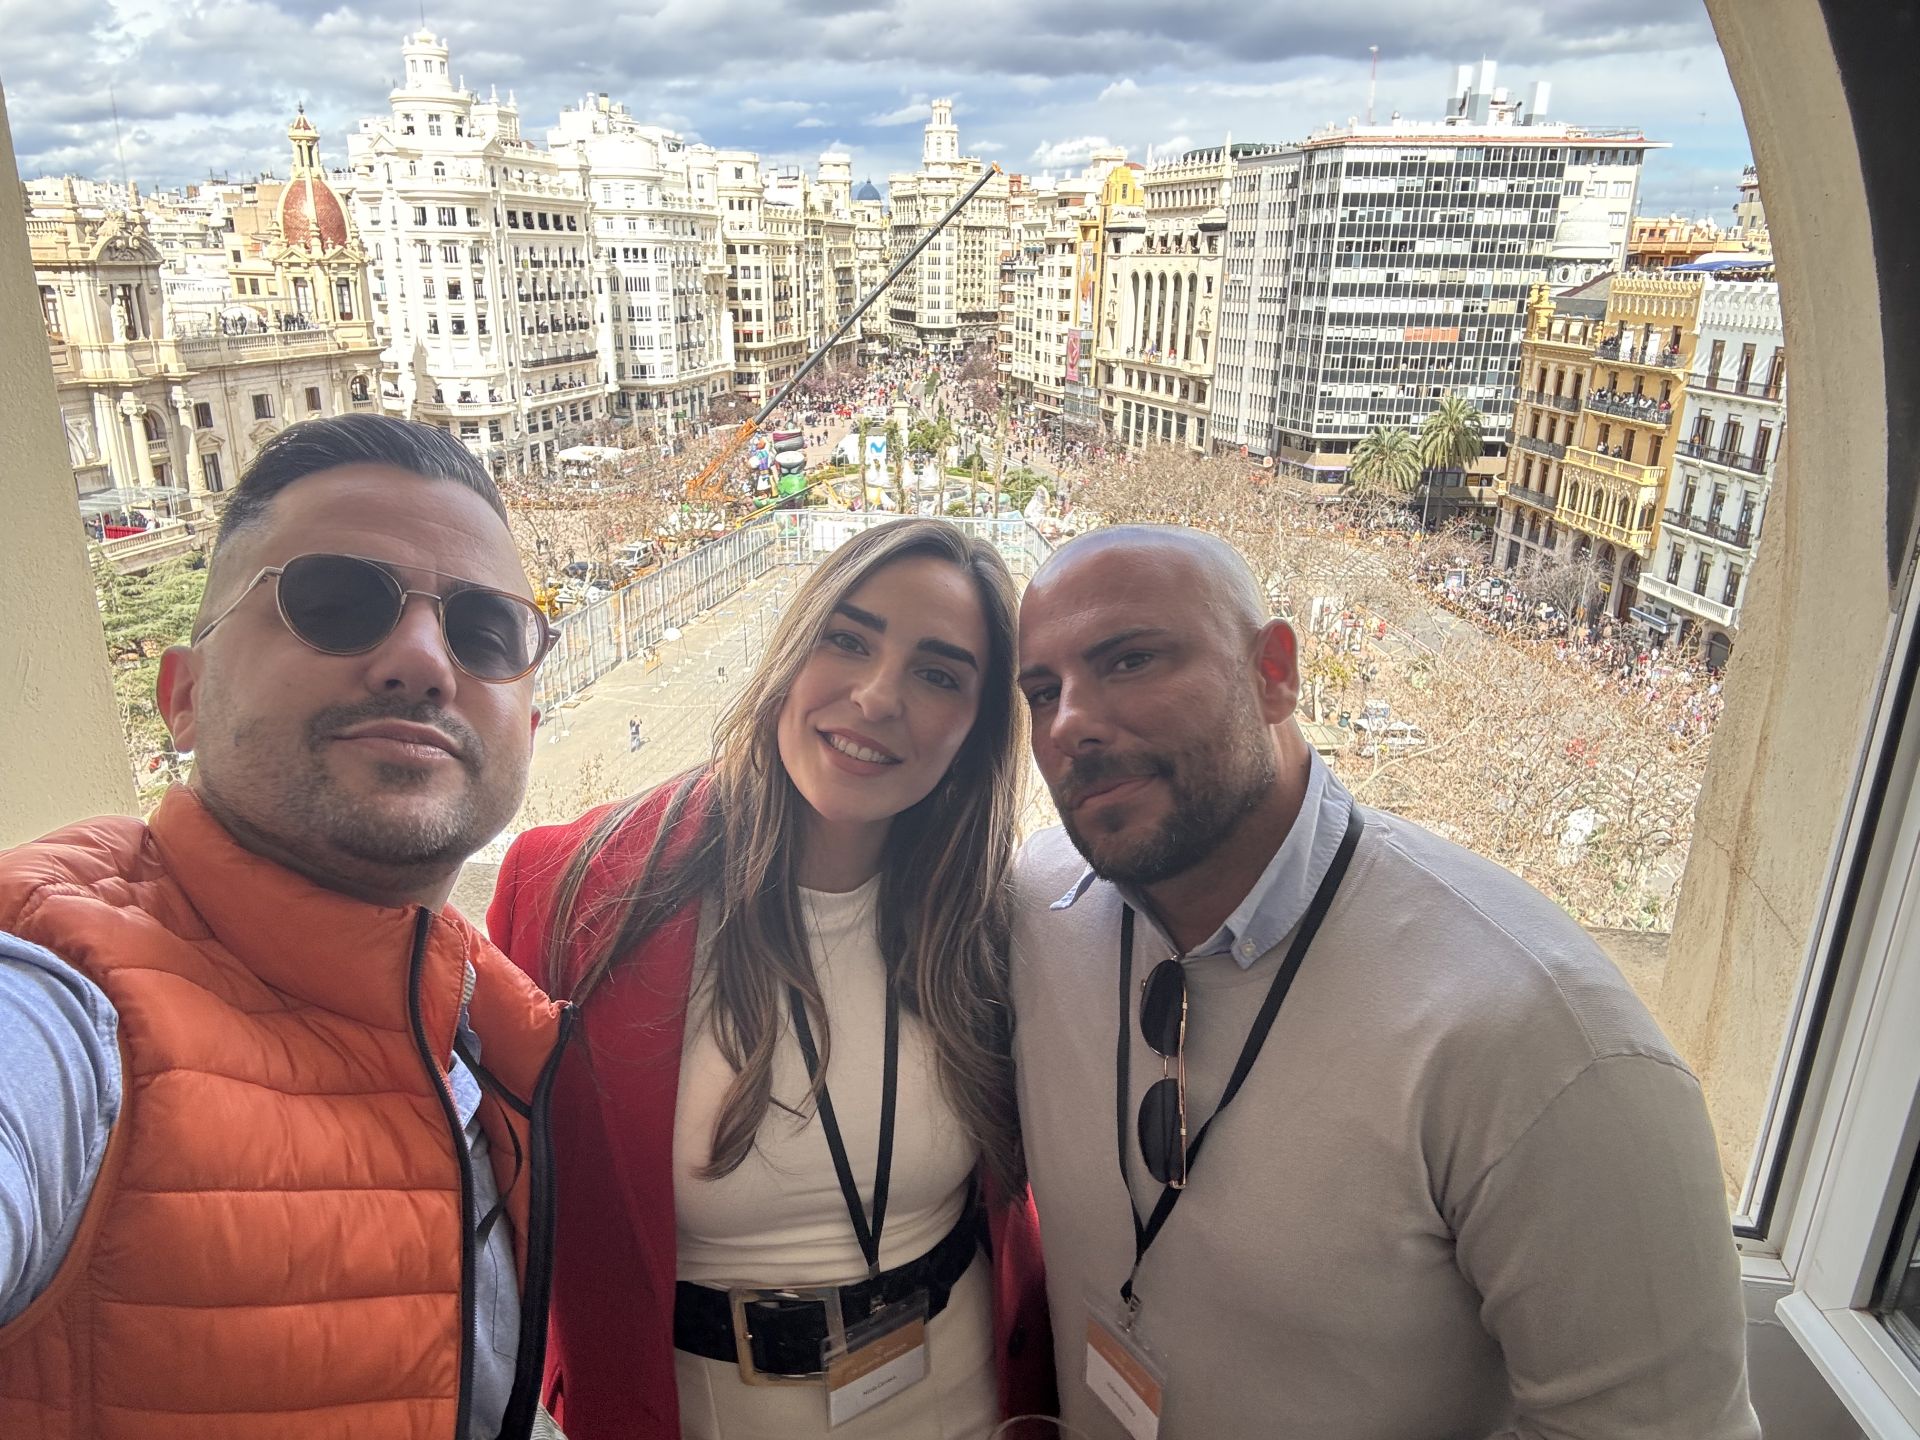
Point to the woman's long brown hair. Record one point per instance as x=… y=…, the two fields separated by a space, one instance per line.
x=730 y=836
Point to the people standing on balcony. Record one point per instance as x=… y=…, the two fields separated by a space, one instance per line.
x=257 y=1177
x=1454 y=1180
x=793 y=1088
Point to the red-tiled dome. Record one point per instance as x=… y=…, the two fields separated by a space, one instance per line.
x=311 y=216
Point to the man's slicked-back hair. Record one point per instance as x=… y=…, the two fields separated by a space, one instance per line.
x=315 y=445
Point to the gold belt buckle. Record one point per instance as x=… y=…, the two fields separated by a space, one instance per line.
x=741 y=1296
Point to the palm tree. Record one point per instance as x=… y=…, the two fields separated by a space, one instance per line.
x=1450 y=439
x=1387 y=458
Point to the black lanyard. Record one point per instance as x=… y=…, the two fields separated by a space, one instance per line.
x=1145 y=1234
x=867 y=1234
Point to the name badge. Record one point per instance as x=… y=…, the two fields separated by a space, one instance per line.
x=1126 y=1376
x=879 y=1358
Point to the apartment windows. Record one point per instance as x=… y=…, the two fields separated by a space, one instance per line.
x=202 y=415
x=450 y=254
x=433 y=324
x=406 y=123
x=481 y=324
x=419 y=216
x=1714 y=357
x=425 y=251
x=433 y=124
x=427 y=288
x=210 y=472
x=313 y=399
x=439 y=169
x=1674 y=559
x=473 y=216
x=453 y=289
x=1702 y=568
x=459 y=324
x=1762 y=445
x=1731 y=594
x=448 y=215
x=263 y=407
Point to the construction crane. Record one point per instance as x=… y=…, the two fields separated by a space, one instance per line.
x=708 y=486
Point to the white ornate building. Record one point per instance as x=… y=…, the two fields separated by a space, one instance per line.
x=481 y=258
x=950 y=296
x=1724 y=472
x=1159 y=321
x=659 y=275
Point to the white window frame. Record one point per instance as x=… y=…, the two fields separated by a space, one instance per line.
x=1843 y=1183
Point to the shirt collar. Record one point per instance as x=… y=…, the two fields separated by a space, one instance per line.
x=1269 y=911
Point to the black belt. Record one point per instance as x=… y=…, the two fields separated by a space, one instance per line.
x=777 y=1333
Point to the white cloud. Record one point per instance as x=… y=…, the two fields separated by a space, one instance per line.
x=811 y=122
x=1053 y=155
x=776 y=107
x=914 y=112
x=985 y=147
x=1120 y=89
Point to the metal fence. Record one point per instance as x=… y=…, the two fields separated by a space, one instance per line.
x=635 y=618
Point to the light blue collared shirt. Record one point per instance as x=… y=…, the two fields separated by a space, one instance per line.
x=1268 y=913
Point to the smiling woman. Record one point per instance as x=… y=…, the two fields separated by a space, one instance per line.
x=774 y=957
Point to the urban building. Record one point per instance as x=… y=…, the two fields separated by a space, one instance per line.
x=1723 y=471
x=659 y=272
x=764 y=244
x=950 y=296
x=159 y=415
x=872 y=240
x=1161 y=270
x=1375 y=268
x=1045 y=341
x=481 y=260
x=832 y=259
x=1586 y=476
x=1660 y=244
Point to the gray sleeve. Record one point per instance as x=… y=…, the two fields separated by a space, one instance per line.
x=59 y=1097
x=1604 y=1257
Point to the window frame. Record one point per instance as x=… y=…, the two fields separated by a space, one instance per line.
x=1832 y=1204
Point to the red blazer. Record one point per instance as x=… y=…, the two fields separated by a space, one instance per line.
x=610 y=1368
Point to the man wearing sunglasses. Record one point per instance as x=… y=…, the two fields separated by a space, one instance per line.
x=273 y=1147
x=1335 y=1129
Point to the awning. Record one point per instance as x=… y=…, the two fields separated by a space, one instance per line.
x=132 y=497
x=1713 y=264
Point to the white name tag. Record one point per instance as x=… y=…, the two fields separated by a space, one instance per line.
x=883 y=1355
x=1128 y=1379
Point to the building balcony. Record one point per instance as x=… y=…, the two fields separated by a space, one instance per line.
x=1745 y=461
x=1751 y=388
x=1640 y=542
x=1740 y=537
x=1539 y=499
x=1614 y=466
x=1684 y=598
x=1642 y=410
x=1565 y=404
x=1541 y=447
x=206 y=351
x=1610 y=350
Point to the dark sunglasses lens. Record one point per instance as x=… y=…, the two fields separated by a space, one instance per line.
x=1162 y=1007
x=337 y=603
x=491 y=635
x=1160 y=1143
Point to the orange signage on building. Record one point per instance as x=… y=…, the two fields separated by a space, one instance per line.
x=1443 y=334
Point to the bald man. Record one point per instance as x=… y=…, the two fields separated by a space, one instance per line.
x=1337 y=1131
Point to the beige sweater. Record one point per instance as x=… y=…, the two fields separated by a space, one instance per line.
x=1467 y=1191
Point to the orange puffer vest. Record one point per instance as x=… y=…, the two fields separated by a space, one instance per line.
x=278 y=1242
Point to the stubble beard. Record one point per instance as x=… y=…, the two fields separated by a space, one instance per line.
x=1214 y=787
x=305 y=811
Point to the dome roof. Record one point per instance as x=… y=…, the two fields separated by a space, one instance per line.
x=311 y=216
x=866 y=192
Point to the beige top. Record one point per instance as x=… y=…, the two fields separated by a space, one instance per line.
x=780 y=1219
x=1467 y=1190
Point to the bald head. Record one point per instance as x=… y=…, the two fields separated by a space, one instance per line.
x=1162 y=699
x=1204 y=566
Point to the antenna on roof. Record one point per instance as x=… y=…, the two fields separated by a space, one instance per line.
x=1373 y=79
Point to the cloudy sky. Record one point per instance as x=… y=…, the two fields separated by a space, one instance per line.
x=207 y=86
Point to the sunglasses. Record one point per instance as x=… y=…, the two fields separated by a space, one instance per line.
x=1163 y=1109
x=348 y=604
